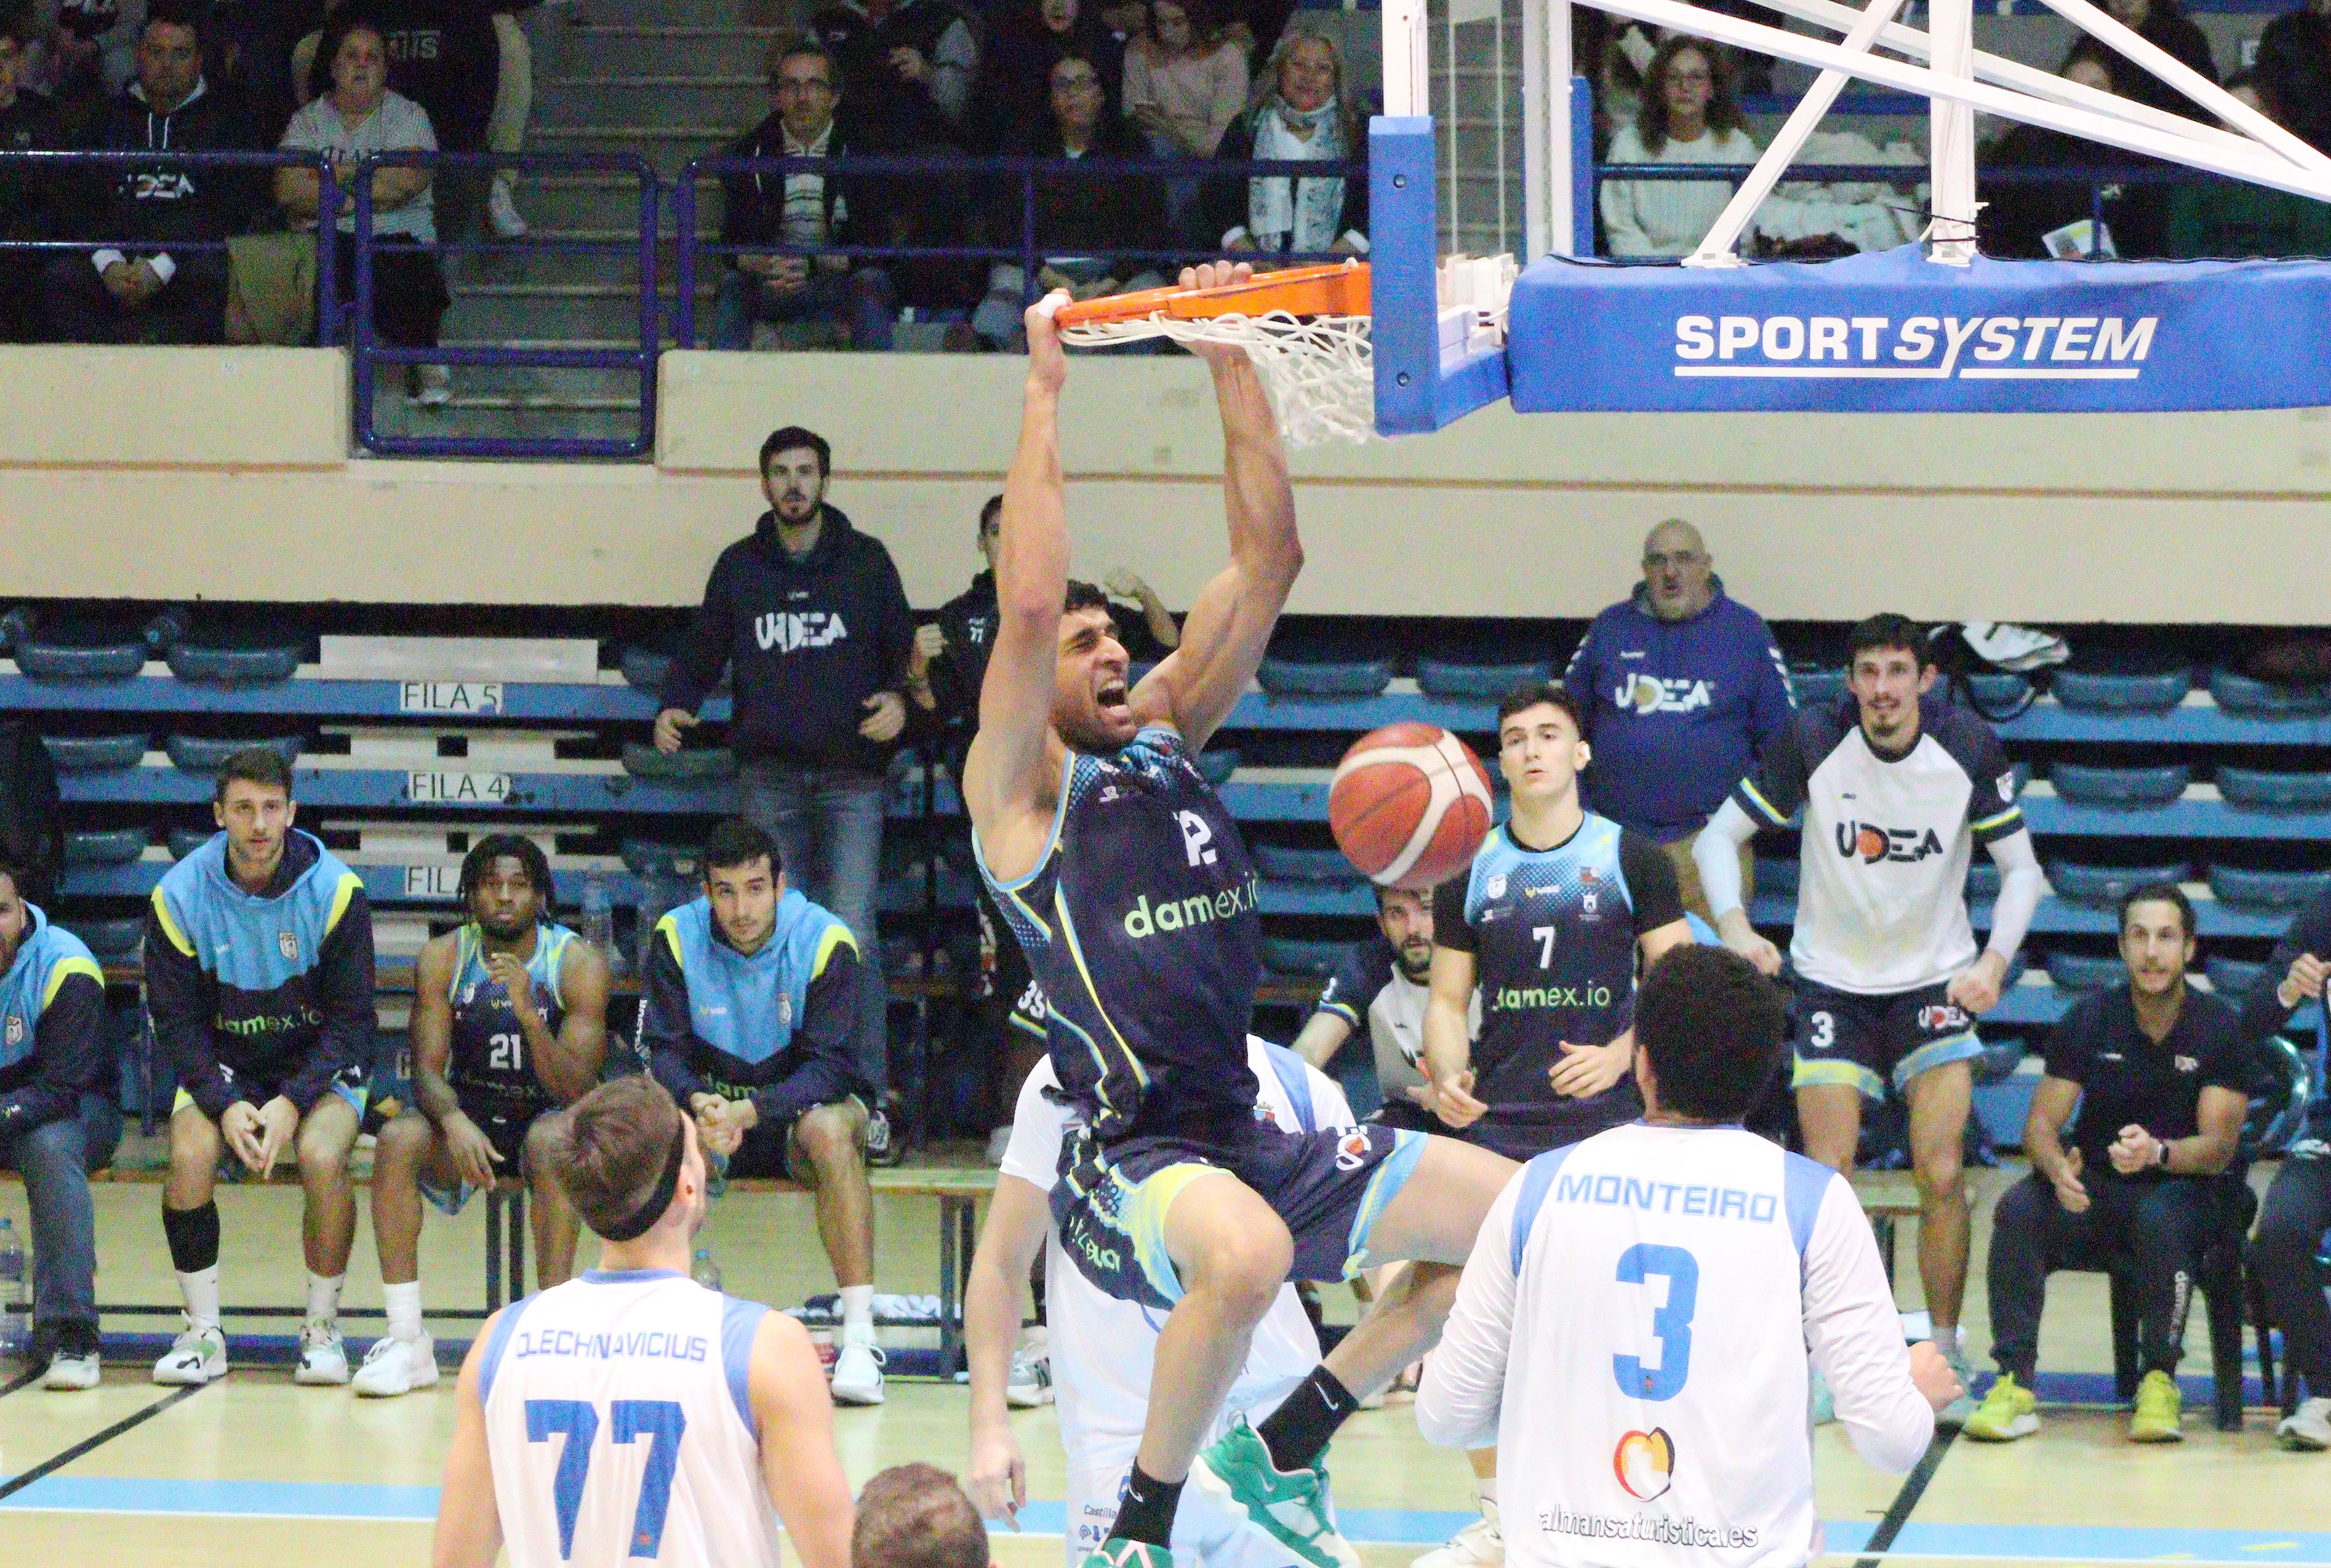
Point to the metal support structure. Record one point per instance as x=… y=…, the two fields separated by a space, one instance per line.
x=1950 y=29
x=1549 y=187
x=1407 y=59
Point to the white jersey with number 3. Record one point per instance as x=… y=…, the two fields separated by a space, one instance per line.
x=1634 y=1328
x=619 y=1426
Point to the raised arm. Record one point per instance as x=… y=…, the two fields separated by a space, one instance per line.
x=1223 y=639
x=1006 y=773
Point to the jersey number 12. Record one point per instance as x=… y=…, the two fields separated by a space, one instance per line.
x=659 y=1420
x=1672 y=1323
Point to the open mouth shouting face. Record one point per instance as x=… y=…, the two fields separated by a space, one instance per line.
x=1092 y=693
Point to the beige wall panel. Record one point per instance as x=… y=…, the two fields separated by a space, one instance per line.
x=235 y=408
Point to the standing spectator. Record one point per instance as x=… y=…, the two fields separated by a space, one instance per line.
x=1015 y=90
x=2294 y=67
x=2223 y=217
x=1897 y=790
x=1683 y=689
x=1307 y=116
x=749 y=1006
x=1081 y=219
x=513 y=105
x=2296 y=1212
x=28 y=123
x=2156 y=1073
x=1690 y=115
x=1383 y=984
x=907 y=67
x=145 y=283
x=259 y=981
x=1183 y=85
x=800 y=211
x=361 y=115
x=56 y=1126
x=810 y=616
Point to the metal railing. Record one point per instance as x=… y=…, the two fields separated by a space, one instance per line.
x=1029 y=248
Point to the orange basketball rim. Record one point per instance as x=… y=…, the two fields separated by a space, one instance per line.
x=1338 y=289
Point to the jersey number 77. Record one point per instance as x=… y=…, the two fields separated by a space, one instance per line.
x=659 y=1420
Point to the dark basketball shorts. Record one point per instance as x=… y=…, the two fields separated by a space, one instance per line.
x=1518 y=1141
x=1872 y=1042
x=507 y=1135
x=775 y=1152
x=1330 y=1188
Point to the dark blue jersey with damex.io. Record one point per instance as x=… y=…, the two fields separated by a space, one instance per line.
x=486 y=1062
x=1140 y=923
x=1553 y=936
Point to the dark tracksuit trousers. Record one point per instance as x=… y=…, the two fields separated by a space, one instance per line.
x=2160 y=1222
x=2290 y=1228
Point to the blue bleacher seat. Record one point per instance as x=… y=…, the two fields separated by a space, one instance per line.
x=104 y=847
x=2266 y=890
x=2091 y=785
x=2275 y=789
x=1450 y=677
x=2121 y=691
x=1777 y=873
x=109 y=939
x=95 y=752
x=1281 y=863
x=44 y=658
x=1999 y=689
x=690 y=762
x=2085 y=970
x=1291 y=957
x=1325 y=677
x=1815 y=687
x=1999 y=1059
x=185 y=841
x=2107 y=885
x=656 y=858
x=645 y=668
x=2231 y=978
x=1983 y=877
x=220 y=665
x=1217 y=763
x=208 y=752
x=2239 y=694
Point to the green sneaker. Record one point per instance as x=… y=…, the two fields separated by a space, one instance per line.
x=2009 y=1412
x=1292 y=1508
x=1117 y=1552
x=2160 y=1408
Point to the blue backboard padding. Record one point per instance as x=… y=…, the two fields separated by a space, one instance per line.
x=1416 y=392
x=1873 y=334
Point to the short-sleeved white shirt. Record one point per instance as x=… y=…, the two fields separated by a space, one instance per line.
x=398 y=125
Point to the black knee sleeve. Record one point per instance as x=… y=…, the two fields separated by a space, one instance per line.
x=193 y=1235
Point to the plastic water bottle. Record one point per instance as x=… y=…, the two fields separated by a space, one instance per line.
x=705 y=1271
x=15 y=1306
x=599 y=916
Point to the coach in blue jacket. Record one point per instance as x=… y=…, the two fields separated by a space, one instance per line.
x=1683 y=687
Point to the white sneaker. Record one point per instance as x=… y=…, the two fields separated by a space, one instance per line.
x=1031 y=1383
x=503 y=212
x=197 y=1356
x=323 y=1356
x=858 y=1372
x=394 y=1366
x=433 y=386
x=72 y=1370
x=1480 y=1544
x=2306 y=1429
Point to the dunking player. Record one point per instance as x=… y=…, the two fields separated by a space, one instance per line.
x=631 y=1414
x=509 y=1023
x=1126 y=882
x=1548 y=923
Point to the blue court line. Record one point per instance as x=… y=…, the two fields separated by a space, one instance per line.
x=357 y=1500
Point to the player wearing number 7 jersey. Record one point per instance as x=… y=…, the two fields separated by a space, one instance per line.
x=631 y=1414
x=1634 y=1429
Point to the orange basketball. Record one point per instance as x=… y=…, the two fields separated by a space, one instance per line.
x=1409 y=805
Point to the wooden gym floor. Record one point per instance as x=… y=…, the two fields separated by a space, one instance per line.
x=256 y=1472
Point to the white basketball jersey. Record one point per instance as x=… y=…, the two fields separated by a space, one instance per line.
x=1102 y=1350
x=619 y=1429
x=1662 y=1284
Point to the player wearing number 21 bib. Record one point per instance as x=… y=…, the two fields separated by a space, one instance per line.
x=1639 y=1323
x=630 y=1414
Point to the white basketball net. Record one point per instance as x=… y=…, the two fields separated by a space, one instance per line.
x=1317 y=369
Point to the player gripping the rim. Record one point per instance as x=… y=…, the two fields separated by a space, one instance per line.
x=1125 y=881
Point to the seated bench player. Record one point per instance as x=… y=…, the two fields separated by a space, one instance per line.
x=259 y=980
x=509 y=1023
x=747 y=1017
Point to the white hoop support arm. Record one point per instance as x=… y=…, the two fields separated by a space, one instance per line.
x=2189 y=82
x=2253 y=165
x=1716 y=249
x=2012 y=74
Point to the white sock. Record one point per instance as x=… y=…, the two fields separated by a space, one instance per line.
x=1487 y=1485
x=324 y=1298
x=858 y=1310
x=1946 y=1340
x=200 y=1291
x=403 y=1303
